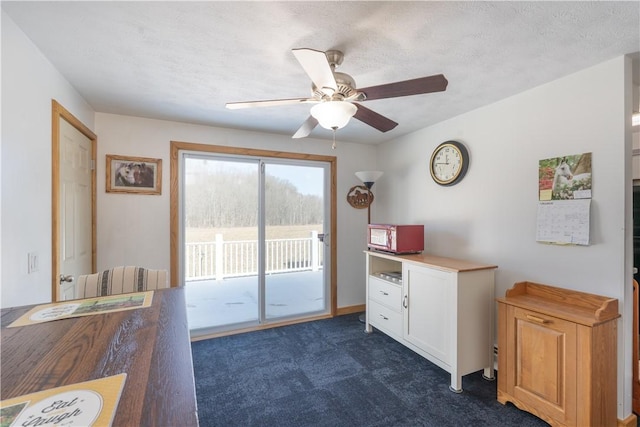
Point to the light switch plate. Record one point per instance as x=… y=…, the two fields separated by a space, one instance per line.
x=33 y=262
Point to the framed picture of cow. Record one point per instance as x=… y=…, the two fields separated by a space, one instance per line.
x=135 y=175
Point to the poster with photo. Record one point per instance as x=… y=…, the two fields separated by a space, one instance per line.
x=565 y=178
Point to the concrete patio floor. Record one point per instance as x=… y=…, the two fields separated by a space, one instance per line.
x=214 y=304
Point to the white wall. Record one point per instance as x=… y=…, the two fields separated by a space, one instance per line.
x=491 y=215
x=134 y=229
x=29 y=82
x=636 y=132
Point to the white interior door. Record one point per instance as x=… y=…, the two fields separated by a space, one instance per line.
x=75 y=216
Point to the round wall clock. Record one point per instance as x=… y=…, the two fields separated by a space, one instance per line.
x=449 y=163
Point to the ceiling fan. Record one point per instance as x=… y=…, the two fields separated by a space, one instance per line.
x=336 y=96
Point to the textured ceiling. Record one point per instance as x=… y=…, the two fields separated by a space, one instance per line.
x=183 y=61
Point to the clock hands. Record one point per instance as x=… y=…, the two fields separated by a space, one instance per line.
x=446 y=162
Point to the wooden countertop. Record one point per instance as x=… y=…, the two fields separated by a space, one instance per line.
x=575 y=306
x=439 y=263
x=151 y=345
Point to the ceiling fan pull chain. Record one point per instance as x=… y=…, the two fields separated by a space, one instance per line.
x=333 y=146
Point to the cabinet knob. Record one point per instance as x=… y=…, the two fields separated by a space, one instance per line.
x=384 y=317
x=404 y=302
x=537 y=319
x=384 y=293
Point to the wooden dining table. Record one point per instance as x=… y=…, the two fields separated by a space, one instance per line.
x=151 y=345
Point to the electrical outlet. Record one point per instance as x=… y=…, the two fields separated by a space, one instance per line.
x=33 y=262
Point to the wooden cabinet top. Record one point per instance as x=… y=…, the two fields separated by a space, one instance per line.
x=575 y=306
x=439 y=263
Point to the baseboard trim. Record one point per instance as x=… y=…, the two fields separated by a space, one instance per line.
x=339 y=312
x=351 y=309
x=258 y=327
x=630 y=421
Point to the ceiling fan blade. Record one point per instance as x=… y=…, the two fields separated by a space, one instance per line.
x=268 y=103
x=306 y=128
x=374 y=119
x=316 y=65
x=435 y=83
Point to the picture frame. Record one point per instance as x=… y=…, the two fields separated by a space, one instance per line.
x=134 y=175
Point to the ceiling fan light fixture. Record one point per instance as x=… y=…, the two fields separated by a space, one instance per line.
x=333 y=115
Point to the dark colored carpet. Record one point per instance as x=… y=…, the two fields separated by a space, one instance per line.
x=330 y=373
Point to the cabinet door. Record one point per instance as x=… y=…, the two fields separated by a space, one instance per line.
x=543 y=373
x=427 y=300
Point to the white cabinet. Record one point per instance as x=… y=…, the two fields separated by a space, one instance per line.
x=441 y=308
x=385 y=311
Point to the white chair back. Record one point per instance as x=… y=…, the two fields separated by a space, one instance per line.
x=120 y=280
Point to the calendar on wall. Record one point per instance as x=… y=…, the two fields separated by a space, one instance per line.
x=564 y=200
x=564 y=222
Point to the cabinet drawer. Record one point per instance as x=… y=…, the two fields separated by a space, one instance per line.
x=385 y=293
x=384 y=318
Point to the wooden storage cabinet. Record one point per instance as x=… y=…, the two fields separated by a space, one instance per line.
x=635 y=382
x=441 y=308
x=557 y=354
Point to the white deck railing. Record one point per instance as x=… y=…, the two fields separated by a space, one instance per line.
x=220 y=259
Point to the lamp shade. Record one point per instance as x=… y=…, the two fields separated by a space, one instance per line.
x=333 y=114
x=369 y=177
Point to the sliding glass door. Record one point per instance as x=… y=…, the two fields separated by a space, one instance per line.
x=221 y=241
x=254 y=240
x=294 y=240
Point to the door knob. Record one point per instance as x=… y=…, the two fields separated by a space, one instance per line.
x=66 y=278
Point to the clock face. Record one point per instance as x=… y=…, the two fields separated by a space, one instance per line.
x=449 y=163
